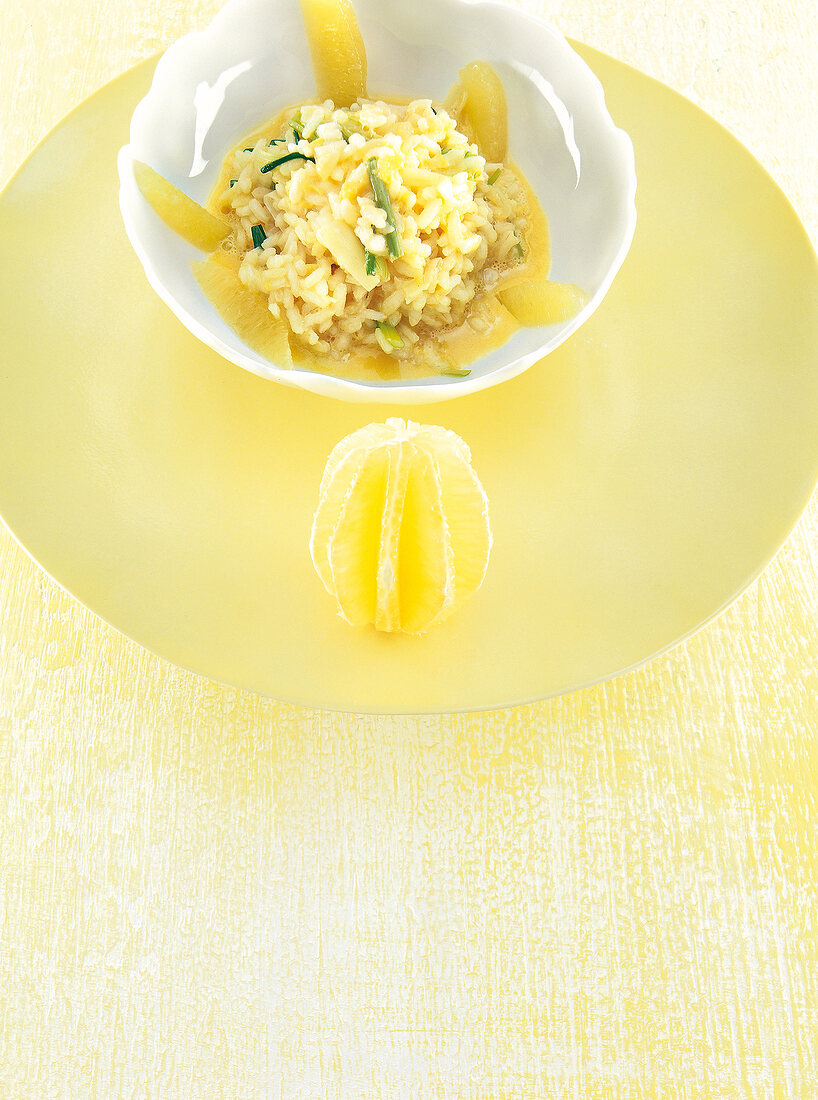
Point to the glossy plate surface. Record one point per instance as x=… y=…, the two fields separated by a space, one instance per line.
x=639 y=478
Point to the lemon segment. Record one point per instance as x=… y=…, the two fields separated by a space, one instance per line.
x=354 y=547
x=484 y=110
x=334 y=491
x=337 y=50
x=465 y=507
x=178 y=210
x=390 y=564
x=542 y=302
x=365 y=439
x=244 y=310
x=340 y=473
x=427 y=577
x=401 y=533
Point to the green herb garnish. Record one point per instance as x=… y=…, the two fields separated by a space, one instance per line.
x=283 y=160
x=376 y=265
x=385 y=203
x=495 y=175
x=456 y=372
x=390 y=334
x=232 y=182
x=352 y=126
x=297 y=125
x=259 y=236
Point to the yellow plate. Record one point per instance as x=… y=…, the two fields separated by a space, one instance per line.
x=639 y=478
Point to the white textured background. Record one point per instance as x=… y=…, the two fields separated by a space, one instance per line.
x=206 y=894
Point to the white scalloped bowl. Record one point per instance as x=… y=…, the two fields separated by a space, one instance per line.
x=213 y=86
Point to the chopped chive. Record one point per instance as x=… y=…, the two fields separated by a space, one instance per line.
x=375 y=265
x=352 y=126
x=233 y=182
x=296 y=124
x=283 y=160
x=259 y=236
x=444 y=149
x=278 y=141
x=385 y=203
x=250 y=150
x=390 y=334
x=495 y=175
x=434 y=112
x=518 y=250
x=456 y=372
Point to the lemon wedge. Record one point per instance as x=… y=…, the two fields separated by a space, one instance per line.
x=401 y=535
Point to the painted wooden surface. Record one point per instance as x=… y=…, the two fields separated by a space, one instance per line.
x=207 y=894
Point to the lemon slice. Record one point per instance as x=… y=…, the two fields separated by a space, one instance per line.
x=401 y=534
x=178 y=210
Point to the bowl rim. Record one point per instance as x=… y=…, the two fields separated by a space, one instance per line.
x=327 y=384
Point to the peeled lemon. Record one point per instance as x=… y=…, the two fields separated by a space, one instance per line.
x=401 y=534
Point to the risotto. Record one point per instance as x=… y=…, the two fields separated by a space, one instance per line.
x=375 y=228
